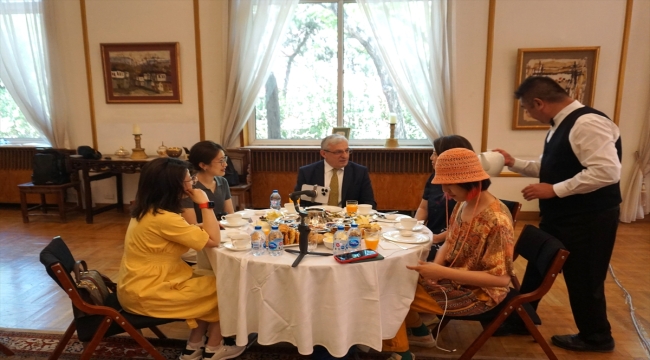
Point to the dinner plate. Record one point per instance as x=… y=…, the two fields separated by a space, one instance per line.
x=399 y=226
x=227 y=224
x=229 y=246
x=330 y=208
x=396 y=237
x=396 y=220
x=246 y=214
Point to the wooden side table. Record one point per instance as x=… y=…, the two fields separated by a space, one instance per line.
x=42 y=190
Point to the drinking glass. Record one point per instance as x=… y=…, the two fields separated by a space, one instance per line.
x=351 y=206
x=371 y=239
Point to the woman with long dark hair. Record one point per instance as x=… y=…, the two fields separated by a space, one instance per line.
x=153 y=279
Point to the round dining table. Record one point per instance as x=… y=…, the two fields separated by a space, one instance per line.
x=319 y=302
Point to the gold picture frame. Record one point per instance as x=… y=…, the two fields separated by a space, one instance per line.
x=345 y=131
x=141 y=72
x=574 y=68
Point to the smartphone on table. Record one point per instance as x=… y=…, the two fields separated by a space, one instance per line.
x=355 y=256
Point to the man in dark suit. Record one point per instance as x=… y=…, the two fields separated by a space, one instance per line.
x=351 y=181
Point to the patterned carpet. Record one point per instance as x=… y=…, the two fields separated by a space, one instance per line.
x=37 y=346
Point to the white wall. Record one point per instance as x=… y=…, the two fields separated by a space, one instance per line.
x=518 y=24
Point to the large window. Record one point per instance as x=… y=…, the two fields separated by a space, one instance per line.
x=13 y=126
x=324 y=76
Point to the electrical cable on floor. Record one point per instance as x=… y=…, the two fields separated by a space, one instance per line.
x=645 y=343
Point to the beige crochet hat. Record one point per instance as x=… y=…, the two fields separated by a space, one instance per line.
x=457 y=166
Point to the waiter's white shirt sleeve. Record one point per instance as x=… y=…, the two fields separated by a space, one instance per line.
x=592 y=138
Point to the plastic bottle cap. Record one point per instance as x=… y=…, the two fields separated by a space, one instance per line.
x=258 y=227
x=275 y=191
x=274 y=227
x=354 y=225
x=341 y=227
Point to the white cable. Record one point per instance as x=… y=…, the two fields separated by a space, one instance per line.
x=645 y=343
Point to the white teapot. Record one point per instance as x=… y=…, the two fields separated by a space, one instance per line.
x=492 y=162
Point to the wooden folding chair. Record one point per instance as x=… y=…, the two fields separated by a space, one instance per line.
x=98 y=321
x=548 y=254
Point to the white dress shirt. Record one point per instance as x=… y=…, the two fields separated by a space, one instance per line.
x=592 y=138
x=328 y=178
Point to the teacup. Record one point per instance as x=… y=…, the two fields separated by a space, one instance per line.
x=408 y=223
x=233 y=219
x=364 y=209
x=405 y=232
x=290 y=208
x=233 y=233
x=391 y=216
x=241 y=241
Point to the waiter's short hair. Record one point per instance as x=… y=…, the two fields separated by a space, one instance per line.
x=332 y=140
x=540 y=87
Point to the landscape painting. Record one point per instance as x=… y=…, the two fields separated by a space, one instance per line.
x=573 y=68
x=141 y=73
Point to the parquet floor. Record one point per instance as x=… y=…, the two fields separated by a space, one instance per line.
x=29 y=299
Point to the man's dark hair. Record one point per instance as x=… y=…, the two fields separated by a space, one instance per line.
x=540 y=87
x=485 y=184
x=160 y=187
x=204 y=152
x=445 y=143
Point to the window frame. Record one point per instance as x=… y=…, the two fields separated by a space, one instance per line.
x=250 y=124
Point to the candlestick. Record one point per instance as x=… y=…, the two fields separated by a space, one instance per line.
x=136 y=129
x=391 y=142
x=138 y=152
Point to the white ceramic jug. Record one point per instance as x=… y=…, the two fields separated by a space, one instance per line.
x=492 y=162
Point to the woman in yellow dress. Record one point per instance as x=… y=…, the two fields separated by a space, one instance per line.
x=153 y=279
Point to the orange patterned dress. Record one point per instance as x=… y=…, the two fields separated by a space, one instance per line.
x=484 y=244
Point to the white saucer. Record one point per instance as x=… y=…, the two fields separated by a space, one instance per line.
x=227 y=224
x=232 y=248
x=398 y=226
x=414 y=239
x=330 y=208
x=396 y=220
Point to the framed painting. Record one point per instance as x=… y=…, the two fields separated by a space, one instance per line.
x=345 y=131
x=573 y=68
x=141 y=73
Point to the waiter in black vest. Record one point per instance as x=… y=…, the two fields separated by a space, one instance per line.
x=579 y=197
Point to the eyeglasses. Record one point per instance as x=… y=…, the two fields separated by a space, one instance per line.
x=223 y=160
x=193 y=180
x=340 y=152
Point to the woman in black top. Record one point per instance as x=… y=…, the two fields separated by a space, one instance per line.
x=434 y=208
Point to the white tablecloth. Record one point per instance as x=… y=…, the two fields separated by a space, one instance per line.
x=319 y=302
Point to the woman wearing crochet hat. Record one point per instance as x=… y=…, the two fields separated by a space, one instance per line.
x=471 y=271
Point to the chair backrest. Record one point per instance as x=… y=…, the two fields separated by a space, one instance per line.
x=241 y=160
x=57 y=252
x=514 y=207
x=545 y=252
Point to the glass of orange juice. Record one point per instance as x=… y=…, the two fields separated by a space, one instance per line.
x=371 y=239
x=351 y=206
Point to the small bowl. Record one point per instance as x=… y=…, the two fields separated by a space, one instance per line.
x=328 y=242
x=392 y=216
x=174 y=151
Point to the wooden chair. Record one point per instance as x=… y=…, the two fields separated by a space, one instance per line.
x=98 y=321
x=548 y=254
x=43 y=190
x=514 y=207
x=241 y=194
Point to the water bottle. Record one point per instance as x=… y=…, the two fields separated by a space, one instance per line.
x=276 y=201
x=258 y=241
x=276 y=241
x=340 y=245
x=354 y=238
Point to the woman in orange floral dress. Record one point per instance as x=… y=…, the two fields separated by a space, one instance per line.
x=471 y=271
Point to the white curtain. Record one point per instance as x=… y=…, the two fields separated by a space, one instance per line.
x=414 y=39
x=637 y=197
x=255 y=28
x=25 y=66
